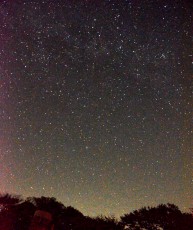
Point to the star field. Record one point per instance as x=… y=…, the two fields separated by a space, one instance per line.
x=95 y=103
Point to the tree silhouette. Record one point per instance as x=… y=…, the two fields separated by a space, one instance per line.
x=16 y=214
x=8 y=215
x=108 y=222
x=7 y=200
x=23 y=214
x=167 y=217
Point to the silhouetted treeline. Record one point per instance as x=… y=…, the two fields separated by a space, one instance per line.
x=16 y=214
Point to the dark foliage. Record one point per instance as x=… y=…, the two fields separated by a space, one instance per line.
x=167 y=217
x=16 y=214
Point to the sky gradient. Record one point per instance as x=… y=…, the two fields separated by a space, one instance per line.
x=95 y=103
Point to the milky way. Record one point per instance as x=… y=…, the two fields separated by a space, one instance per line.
x=95 y=103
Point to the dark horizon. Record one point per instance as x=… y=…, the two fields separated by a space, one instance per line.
x=46 y=212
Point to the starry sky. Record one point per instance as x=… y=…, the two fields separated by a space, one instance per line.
x=95 y=102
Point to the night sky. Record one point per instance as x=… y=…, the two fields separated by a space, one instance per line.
x=95 y=102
